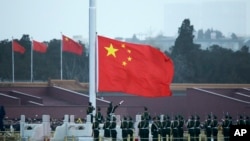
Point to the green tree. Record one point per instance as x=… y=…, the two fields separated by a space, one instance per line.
x=184 y=42
x=5 y=60
x=184 y=53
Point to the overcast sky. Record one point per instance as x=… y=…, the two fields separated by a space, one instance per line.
x=45 y=19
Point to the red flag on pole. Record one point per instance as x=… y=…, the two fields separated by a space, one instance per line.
x=70 y=45
x=39 y=47
x=18 y=48
x=133 y=68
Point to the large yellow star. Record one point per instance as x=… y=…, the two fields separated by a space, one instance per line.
x=111 y=50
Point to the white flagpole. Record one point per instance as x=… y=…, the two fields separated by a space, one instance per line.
x=31 y=61
x=61 y=57
x=13 y=69
x=92 y=53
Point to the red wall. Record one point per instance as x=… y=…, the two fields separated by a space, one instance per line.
x=190 y=102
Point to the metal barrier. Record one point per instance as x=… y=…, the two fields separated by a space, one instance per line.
x=15 y=136
x=9 y=135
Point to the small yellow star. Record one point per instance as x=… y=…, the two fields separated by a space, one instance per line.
x=129 y=58
x=129 y=51
x=111 y=50
x=124 y=63
x=123 y=45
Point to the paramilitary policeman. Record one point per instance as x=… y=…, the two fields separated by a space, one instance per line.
x=143 y=127
x=208 y=127
x=215 y=128
x=113 y=128
x=131 y=128
x=191 y=129
x=96 y=128
x=155 y=128
x=197 y=129
x=180 y=127
x=124 y=127
x=99 y=116
x=174 y=127
x=226 y=123
x=166 y=127
x=90 y=110
x=106 y=127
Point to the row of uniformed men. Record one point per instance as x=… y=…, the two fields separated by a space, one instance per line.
x=172 y=127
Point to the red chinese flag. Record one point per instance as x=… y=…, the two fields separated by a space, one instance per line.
x=71 y=46
x=39 y=47
x=18 y=48
x=133 y=69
